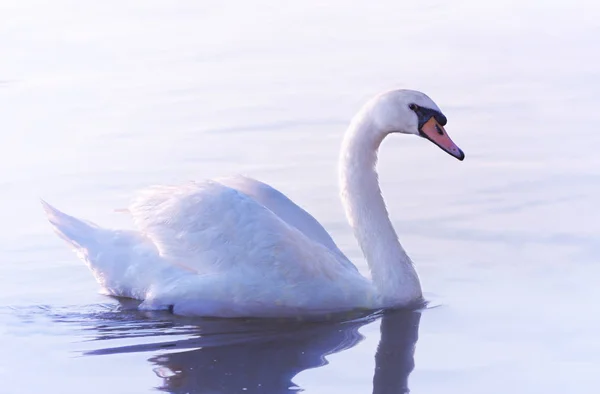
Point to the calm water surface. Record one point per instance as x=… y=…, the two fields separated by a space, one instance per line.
x=98 y=100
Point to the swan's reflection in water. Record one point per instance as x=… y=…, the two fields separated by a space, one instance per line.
x=259 y=356
x=394 y=359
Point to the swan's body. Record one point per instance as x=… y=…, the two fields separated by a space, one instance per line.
x=237 y=247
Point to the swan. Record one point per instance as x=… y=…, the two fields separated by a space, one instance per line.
x=237 y=247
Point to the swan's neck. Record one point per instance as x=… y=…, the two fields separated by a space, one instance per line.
x=392 y=271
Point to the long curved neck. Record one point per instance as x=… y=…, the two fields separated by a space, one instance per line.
x=392 y=271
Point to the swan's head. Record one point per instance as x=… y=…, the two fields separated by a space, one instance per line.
x=412 y=112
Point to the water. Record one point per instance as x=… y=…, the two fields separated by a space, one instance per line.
x=99 y=100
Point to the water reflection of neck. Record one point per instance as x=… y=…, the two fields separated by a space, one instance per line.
x=394 y=360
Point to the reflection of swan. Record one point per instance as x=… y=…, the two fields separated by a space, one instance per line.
x=237 y=247
x=263 y=357
x=394 y=360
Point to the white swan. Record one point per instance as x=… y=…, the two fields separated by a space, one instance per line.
x=236 y=247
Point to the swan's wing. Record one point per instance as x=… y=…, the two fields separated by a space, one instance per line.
x=209 y=227
x=283 y=207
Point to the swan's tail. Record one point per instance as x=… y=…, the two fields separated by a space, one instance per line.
x=78 y=233
x=124 y=263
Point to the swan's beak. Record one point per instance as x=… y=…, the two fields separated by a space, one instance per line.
x=435 y=133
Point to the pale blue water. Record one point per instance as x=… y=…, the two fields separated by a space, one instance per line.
x=99 y=100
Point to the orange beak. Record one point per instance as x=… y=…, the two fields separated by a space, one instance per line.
x=435 y=133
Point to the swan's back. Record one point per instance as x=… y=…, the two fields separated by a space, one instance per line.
x=209 y=227
x=287 y=210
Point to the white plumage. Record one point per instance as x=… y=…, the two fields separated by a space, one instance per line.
x=236 y=247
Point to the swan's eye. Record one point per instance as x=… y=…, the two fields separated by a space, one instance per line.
x=413 y=107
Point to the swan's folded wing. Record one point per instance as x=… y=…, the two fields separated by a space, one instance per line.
x=209 y=227
x=286 y=209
